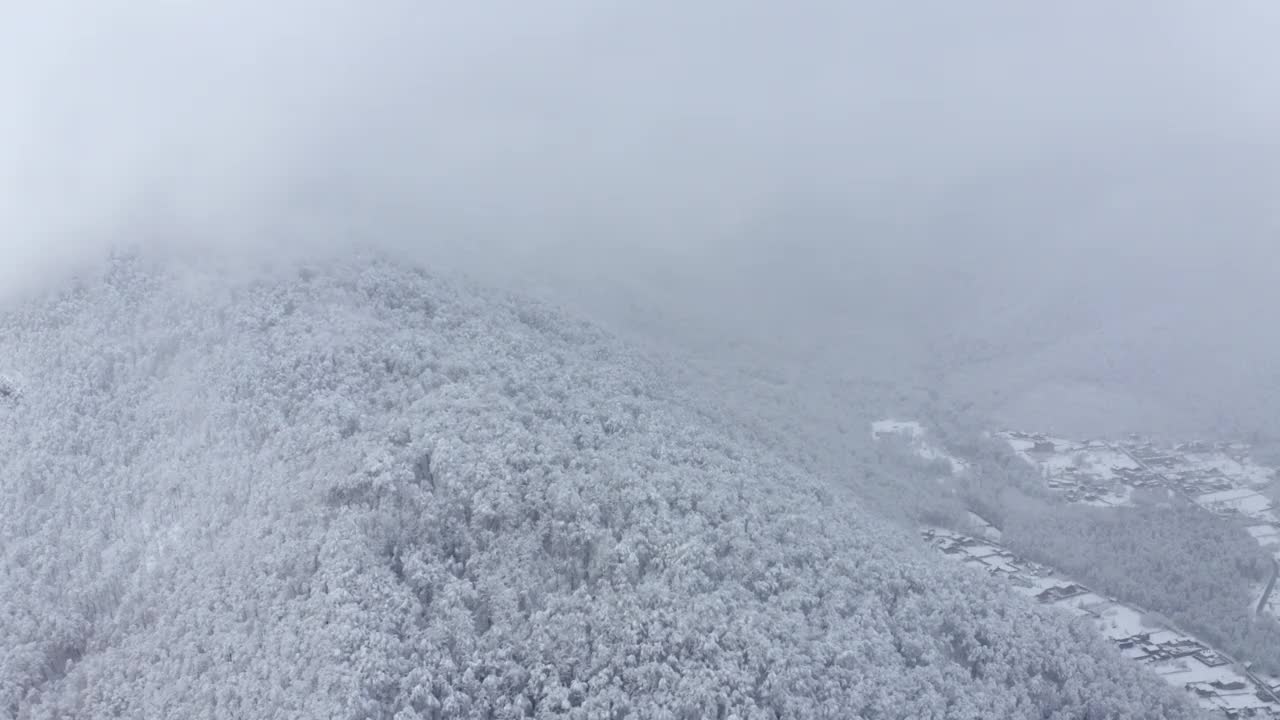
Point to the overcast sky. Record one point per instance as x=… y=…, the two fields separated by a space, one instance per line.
x=818 y=154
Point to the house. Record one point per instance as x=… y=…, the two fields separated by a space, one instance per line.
x=1202 y=692
x=1181 y=648
x=1210 y=658
x=1233 y=686
x=1061 y=592
x=1131 y=642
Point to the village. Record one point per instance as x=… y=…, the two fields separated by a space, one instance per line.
x=1212 y=678
x=1219 y=477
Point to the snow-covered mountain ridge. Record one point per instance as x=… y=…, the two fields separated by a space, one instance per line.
x=357 y=491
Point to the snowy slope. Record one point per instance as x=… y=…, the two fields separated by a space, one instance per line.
x=356 y=491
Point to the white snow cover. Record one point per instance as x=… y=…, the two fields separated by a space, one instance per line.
x=910 y=428
x=1246 y=469
x=915 y=433
x=1247 y=502
x=1101 y=463
x=356 y=491
x=1266 y=535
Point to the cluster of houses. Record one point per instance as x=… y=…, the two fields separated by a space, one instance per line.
x=1091 y=472
x=1105 y=473
x=1219 y=477
x=1212 y=679
x=1199 y=468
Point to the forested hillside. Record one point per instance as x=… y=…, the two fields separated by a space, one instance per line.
x=357 y=491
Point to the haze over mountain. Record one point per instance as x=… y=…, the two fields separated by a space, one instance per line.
x=926 y=183
x=608 y=454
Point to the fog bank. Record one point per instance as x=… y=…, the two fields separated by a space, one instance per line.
x=844 y=184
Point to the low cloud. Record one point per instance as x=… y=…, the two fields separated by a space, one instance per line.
x=926 y=151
